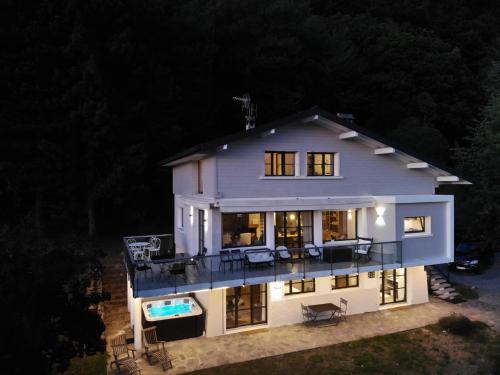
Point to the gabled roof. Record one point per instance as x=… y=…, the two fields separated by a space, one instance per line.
x=324 y=118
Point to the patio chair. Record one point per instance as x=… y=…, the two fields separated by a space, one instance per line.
x=154 y=348
x=122 y=353
x=225 y=258
x=363 y=248
x=312 y=251
x=307 y=315
x=144 y=264
x=132 y=368
x=154 y=249
x=284 y=254
x=178 y=269
x=237 y=257
x=342 y=313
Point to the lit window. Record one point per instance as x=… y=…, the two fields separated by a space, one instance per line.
x=345 y=281
x=339 y=225
x=320 y=164
x=279 y=163
x=414 y=224
x=299 y=286
x=244 y=229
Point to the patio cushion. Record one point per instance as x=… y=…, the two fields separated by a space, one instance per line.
x=259 y=257
x=364 y=246
x=343 y=243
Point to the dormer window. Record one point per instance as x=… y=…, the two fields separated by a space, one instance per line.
x=279 y=163
x=321 y=164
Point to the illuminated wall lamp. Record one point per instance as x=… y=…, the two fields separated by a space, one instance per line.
x=380 y=215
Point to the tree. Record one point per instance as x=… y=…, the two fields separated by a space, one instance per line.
x=478 y=212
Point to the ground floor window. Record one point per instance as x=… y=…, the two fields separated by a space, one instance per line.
x=345 y=281
x=243 y=229
x=339 y=225
x=293 y=229
x=246 y=305
x=299 y=286
x=393 y=286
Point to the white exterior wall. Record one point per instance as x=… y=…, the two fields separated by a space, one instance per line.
x=184 y=178
x=240 y=168
x=416 y=285
x=283 y=310
x=287 y=310
x=433 y=247
x=214 y=303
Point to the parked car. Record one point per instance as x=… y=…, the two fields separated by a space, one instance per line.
x=472 y=256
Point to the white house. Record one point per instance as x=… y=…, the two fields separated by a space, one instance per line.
x=368 y=207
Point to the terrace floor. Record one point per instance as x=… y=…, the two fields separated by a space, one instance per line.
x=198 y=353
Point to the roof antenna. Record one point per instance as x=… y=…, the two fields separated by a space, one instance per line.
x=249 y=108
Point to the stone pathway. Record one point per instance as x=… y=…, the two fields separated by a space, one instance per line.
x=114 y=281
x=194 y=354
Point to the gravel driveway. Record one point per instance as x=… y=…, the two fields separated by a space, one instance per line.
x=488 y=283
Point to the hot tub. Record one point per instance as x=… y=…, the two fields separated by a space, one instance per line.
x=174 y=318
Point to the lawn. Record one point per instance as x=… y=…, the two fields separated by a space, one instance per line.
x=90 y=365
x=437 y=349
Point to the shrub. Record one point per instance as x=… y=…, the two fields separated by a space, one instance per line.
x=461 y=325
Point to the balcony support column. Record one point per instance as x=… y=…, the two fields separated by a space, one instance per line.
x=137 y=324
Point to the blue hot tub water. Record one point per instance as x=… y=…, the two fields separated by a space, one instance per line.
x=170 y=309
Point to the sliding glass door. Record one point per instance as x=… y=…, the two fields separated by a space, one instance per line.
x=246 y=305
x=293 y=229
x=393 y=286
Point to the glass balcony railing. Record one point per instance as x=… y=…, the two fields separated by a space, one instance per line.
x=154 y=268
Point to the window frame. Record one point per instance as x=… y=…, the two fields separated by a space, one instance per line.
x=299 y=227
x=283 y=163
x=355 y=218
x=243 y=246
x=180 y=217
x=288 y=286
x=346 y=277
x=199 y=182
x=382 y=276
x=237 y=309
x=323 y=164
x=422 y=222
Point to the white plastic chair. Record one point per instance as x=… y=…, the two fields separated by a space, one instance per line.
x=154 y=248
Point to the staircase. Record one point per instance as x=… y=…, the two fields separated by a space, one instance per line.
x=440 y=286
x=114 y=281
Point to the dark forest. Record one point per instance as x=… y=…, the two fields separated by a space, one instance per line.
x=96 y=93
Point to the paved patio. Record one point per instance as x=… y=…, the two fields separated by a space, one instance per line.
x=194 y=354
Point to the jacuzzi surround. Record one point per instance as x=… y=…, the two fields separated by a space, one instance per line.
x=177 y=317
x=170 y=308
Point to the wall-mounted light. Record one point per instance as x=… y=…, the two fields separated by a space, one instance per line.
x=349 y=214
x=380 y=210
x=191 y=213
x=277 y=290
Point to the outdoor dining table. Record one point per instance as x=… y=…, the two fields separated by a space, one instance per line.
x=323 y=308
x=137 y=248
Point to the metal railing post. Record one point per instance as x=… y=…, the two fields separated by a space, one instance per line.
x=274 y=265
x=382 y=254
x=244 y=273
x=211 y=273
x=304 y=262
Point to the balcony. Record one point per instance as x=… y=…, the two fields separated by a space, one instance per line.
x=167 y=272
